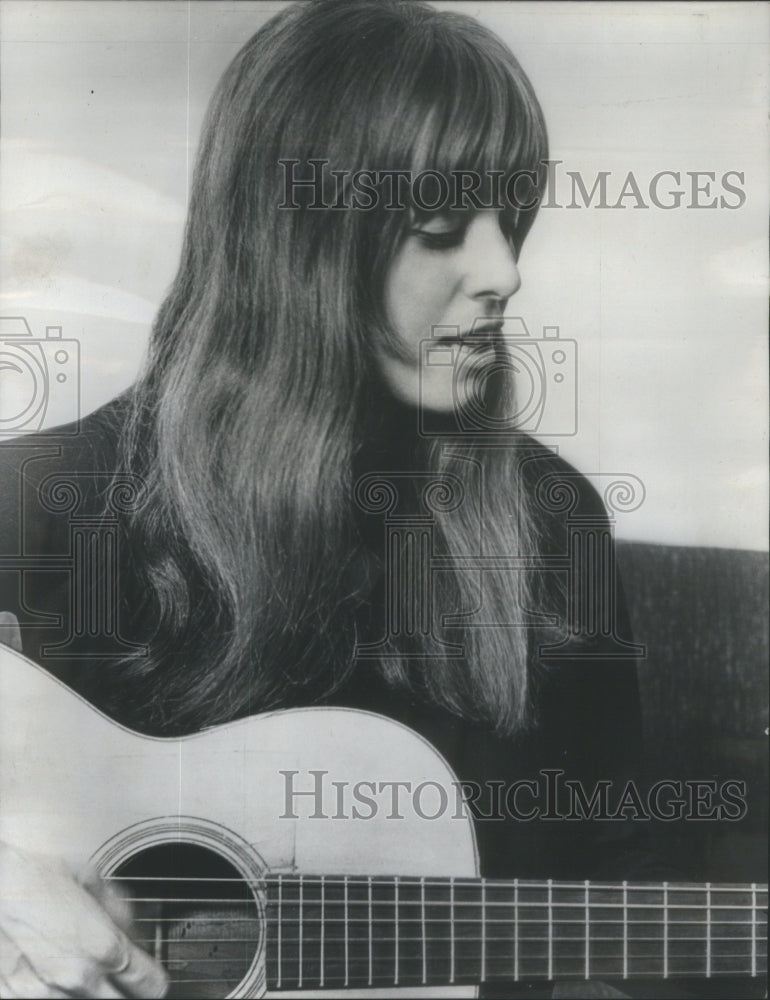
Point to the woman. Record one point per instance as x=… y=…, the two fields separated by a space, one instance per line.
x=285 y=379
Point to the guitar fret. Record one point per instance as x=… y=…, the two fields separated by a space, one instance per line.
x=550 y=928
x=327 y=932
x=323 y=927
x=516 y=930
x=451 y=930
x=625 y=930
x=424 y=933
x=369 y=887
x=347 y=932
x=301 y=926
x=395 y=912
x=708 y=930
x=280 y=927
x=483 y=930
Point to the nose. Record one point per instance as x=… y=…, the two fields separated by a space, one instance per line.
x=490 y=268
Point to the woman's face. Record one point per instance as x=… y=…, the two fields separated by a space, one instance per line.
x=453 y=274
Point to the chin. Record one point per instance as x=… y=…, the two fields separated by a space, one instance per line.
x=437 y=402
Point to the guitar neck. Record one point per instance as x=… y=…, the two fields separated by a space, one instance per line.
x=327 y=931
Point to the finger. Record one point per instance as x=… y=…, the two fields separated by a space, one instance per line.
x=57 y=940
x=71 y=969
x=18 y=980
x=105 y=990
x=17 y=977
x=41 y=992
x=141 y=976
x=33 y=990
x=129 y=969
x=115 y=898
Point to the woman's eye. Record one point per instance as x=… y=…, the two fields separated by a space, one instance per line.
x=441 y=240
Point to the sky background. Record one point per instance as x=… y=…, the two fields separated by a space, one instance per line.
x=100 y=115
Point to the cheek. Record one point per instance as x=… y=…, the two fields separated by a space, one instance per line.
x=402 y=298
x=417 y=294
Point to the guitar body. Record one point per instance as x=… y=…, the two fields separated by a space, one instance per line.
x=304 y=851
x=75 y=785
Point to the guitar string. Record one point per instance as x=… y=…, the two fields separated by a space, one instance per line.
x=460 y=939
x=443 y=881
x=597 y=960
x=734 y=940
x=652 y=960
x=649 y=888
x=465 y=940
x=531 y=958
x=255 y=938
x=230 y=901
x=469 y=919
x=737 y=939
x=499 y=923
x=507 y=937
x=504 y=972
x=607 y=963
x=328 y=963
x=562 y=959
x=416 y=982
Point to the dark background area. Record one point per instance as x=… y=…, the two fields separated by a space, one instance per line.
x=702 y=614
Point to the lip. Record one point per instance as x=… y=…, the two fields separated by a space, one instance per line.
x=488 y=326
x=476 y=335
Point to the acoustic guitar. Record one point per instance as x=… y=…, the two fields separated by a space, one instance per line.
x=262 y=859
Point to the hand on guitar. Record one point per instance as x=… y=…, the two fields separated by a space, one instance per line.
x=62 y=937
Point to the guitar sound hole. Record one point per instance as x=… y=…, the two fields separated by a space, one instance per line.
x=195 y=914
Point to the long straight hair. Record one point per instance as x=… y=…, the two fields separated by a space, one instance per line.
x=251 y=409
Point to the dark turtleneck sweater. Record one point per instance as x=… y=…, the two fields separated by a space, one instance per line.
x=588 y=723
x=587 y=710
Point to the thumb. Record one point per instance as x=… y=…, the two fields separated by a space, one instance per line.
x=113 y=896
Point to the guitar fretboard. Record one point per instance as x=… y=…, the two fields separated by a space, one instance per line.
x=337 y=931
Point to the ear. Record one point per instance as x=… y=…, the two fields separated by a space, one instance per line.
x=10 y=632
